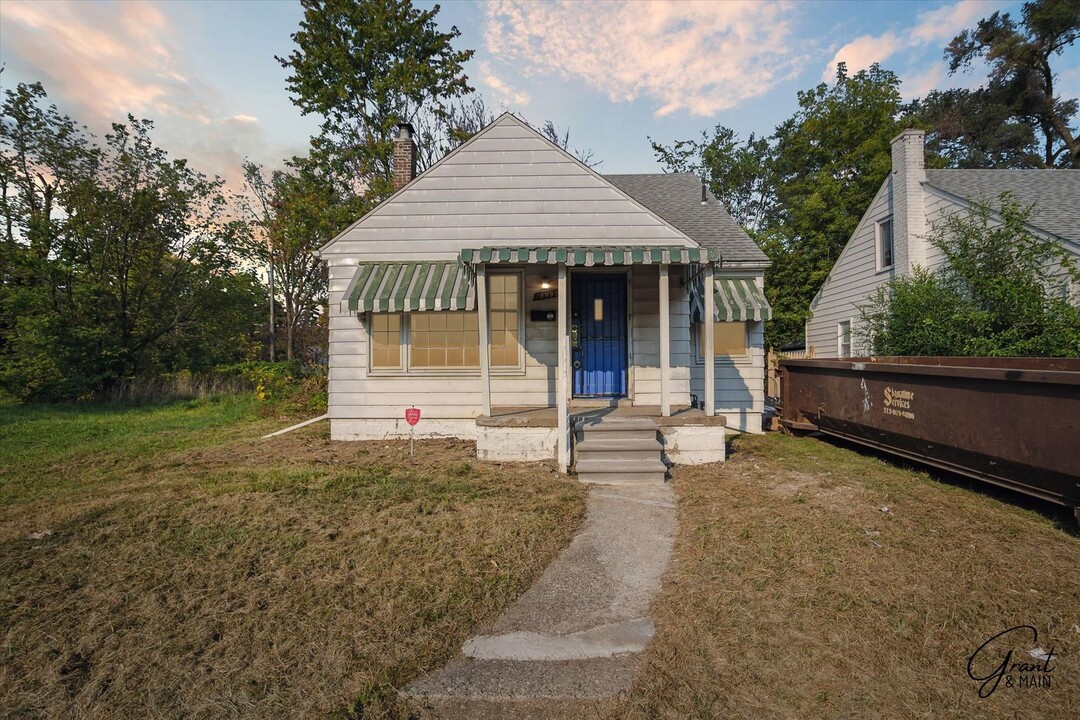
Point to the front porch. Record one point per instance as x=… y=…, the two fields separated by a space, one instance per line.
x=688 y=435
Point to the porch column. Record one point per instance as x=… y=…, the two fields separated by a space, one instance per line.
x=665 y=341
x=707 y=340
x=485 y=340
x=561 y=383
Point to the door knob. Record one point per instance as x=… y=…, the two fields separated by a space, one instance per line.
x=574 y=336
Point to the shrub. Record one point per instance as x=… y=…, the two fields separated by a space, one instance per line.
x=1002 y=292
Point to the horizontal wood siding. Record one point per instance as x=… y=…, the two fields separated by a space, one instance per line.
x=506 y=186
x=852 y=279
x=740 y=382
x=645 y=336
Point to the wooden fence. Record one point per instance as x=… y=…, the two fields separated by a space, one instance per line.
x=772 y=367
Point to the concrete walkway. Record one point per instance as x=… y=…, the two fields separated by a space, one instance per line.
x=575 y=636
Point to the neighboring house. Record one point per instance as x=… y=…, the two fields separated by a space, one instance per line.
x=891 y=238
x=588 y=289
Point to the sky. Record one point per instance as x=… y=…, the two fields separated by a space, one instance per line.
x=614 y=74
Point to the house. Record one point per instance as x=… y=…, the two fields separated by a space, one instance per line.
x=891 y=238
x=510 y=290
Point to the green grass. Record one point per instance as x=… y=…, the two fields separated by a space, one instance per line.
x=192 y=569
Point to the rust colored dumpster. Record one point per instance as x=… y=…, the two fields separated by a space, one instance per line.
x=1014 y=422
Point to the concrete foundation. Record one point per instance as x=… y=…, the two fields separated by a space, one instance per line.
x=693 y=444
x=521 y=444
x=385 y=429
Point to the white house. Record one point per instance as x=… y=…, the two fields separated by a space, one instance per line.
x=891 y=238
x=509 y=291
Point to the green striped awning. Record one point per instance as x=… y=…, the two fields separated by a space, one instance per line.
x=411 y=287
x=735 y=300
x=590 y=256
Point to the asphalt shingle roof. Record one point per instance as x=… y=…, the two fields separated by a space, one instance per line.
x=676 y=197
x=1055 y=193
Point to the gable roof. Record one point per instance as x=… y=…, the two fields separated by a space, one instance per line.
x=507 y=185
x=1054 y=193
x=676 y=197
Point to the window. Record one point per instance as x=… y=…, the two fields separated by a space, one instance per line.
x=843 y=338
x=885 y=243
x=504 y=300
x=729 y=338
x=450 y=340
x=386 y=341
x=444 y=340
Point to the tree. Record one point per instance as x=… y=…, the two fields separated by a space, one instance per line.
x=115 y=259
x=801 y=191
x=562 y=139
x=731 y=168
x=365 y=66
x=294 y=212
x=1002 y=292
x=1016 y=119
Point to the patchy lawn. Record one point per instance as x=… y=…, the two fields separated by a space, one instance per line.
x=792 y=595
x=165 y=562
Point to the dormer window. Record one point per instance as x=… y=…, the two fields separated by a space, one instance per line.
x=885 y=244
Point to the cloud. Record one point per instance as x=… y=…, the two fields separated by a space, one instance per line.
x=100 y=62
x=937 y=26
x=698 y=57
x=506 y=95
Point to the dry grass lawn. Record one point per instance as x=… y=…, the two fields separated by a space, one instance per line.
x=792 y=595
x=165 y=562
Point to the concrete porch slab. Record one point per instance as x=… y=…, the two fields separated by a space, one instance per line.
x=547 y=416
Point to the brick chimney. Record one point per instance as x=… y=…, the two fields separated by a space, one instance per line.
x=404 y=156
x=908 y=200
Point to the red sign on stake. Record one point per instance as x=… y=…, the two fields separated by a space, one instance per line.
x=412 y=415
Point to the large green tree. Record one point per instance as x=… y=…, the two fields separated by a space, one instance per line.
x=801 y=191
x=365 y=66
x=116 y=258
x=1001 y=291
x=1018 y=118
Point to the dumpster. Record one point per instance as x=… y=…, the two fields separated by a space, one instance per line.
x=1014 y=422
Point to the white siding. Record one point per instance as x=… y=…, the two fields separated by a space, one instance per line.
x=855 y=275
x=645 y=337
x=851 y=280
x=508 y=186
x=740 y=381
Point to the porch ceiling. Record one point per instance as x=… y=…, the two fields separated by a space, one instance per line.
x=590 y=256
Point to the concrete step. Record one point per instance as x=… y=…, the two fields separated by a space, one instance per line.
x=651 y=479
x=521 y=689
x=644 y=448
x=616 y=435
x=621 y=467
x=608 y=425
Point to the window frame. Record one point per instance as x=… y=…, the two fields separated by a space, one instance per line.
x=406 y=343
x=520 y=366
x=697 y=329
x=402 y=363
x=840 y=338
x=879 y=246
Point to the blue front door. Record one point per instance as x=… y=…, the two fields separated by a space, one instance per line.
x=598 y=334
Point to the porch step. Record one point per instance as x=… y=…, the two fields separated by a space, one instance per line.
x=618 y=451
x=602 y=448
